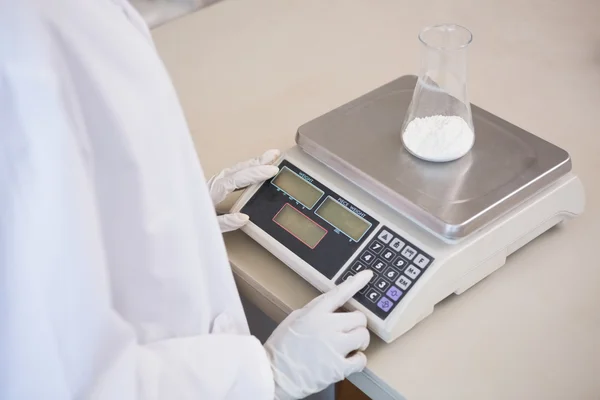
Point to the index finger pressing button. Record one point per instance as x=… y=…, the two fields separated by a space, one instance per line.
x=338 y=296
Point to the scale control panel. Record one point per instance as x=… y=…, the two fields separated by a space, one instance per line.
x=330 y=233
x=396 y=264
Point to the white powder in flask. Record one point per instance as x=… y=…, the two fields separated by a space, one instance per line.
x=438 y=138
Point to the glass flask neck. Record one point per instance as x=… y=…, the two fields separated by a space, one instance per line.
x=444 y=59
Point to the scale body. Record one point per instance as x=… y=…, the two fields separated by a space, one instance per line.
x=348 y=197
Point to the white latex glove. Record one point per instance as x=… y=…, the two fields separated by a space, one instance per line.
x=237 y=177
x=315 y=346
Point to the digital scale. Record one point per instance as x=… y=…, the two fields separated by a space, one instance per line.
x=349 y=197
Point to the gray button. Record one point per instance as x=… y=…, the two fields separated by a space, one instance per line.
x=385 y=236
x=409 y=252
x=421 y=261
x=397 y=244
x=403 y=282
x=412 y=271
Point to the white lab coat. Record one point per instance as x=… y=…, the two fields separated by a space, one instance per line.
x=112 y=265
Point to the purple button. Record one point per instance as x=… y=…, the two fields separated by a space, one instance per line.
x=394 y=293
x=385 y=304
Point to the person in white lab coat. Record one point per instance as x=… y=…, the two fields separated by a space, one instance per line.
x=114 y=281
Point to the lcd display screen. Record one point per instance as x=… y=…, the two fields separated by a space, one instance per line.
x=298 y=188
x=343 y=219
x=299 y=225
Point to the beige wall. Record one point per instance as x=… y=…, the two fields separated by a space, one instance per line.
x=158 y=12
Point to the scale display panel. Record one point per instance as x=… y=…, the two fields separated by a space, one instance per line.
x=330 y=233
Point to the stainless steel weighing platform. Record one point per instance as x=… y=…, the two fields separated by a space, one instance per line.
x=362 y=141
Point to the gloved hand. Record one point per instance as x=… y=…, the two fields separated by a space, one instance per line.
x=315 y=346
x=237 y=177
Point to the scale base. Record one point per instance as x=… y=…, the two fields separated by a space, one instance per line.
x=456 y=268
x=488 y=251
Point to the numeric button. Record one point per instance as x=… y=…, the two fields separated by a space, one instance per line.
x=379 y=265
x=385 y=236
x=376 y=247
x=399 y=263
x=421 y=261
x=388 y=255
x=381 y=284
x=367 y=257
x=358 y=266
x=409 y=252
x=391 y=274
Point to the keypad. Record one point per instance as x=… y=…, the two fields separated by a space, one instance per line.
x=397 y=264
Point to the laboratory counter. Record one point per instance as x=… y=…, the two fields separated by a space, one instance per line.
x=249 y=73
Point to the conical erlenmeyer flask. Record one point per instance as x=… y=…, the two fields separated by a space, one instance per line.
x=438 y=125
